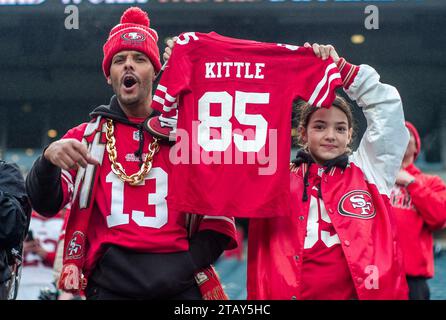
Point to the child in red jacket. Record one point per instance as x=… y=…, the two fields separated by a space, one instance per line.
x=340 y=241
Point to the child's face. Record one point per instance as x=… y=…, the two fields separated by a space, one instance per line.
x=327 y=134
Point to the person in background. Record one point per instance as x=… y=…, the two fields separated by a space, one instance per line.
x=39 y=250
x=419 y=204
x=15 y=214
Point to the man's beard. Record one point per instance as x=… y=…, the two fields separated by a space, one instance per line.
x=132 y=101
x=128 y=101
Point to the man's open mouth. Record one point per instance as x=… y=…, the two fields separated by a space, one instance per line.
x=129 y=81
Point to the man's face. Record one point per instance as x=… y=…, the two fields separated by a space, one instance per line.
x=131 y=76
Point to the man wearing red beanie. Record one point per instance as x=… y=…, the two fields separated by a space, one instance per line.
x=121 y=235
x=419 y=202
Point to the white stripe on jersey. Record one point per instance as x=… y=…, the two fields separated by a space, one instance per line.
x=230 y=220
x=91 y=127
x=158 y=99
x=163 y=103
x=330 y=79
x=168 y=109
x=321 y=84
x=67 y=177
x=161 y=88
x=167 y=96
x=170 y=98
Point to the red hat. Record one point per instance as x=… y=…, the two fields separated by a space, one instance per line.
x=133 y=33
x=416 y=135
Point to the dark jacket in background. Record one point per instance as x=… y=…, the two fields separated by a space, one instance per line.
x=15 y=213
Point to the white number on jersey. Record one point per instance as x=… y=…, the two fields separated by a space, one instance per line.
x=313 y=226
x=186 y=37
x=288 y=46
x=158 y=199
x=226 y=101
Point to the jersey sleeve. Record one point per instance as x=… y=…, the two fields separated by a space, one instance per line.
x=174 y=80
x=221 y=224
x=316 y=79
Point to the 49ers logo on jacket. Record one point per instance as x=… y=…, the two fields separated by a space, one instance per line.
x=75 y=248
x=357 y=204
x=133 y=36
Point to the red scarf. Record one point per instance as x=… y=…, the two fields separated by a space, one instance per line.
x=75 y=239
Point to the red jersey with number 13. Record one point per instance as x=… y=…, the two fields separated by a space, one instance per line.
x=234 y=101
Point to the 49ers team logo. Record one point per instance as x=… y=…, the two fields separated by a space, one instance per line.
x=358 y=204
x=133 y=36
x=75 y=248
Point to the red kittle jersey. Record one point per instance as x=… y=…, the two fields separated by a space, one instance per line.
x=234 y=101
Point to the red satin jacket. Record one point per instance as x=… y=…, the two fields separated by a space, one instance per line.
x=419 y=209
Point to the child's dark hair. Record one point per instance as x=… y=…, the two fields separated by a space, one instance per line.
x=305 y=111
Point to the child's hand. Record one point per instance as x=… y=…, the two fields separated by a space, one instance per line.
x=323 y=51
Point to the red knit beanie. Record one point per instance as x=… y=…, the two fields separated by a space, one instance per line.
x=416 y=135
x=133 y=33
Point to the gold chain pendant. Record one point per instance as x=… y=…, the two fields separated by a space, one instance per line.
x=117 y=168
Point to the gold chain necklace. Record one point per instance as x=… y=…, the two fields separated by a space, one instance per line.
x=117 y=168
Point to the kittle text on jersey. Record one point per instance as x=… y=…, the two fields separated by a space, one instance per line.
x=228 y=69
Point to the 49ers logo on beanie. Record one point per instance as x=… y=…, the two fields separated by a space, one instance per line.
x=133 y=36
x=132 y=33
x=357 y=204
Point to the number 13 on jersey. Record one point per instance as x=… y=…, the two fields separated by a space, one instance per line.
x=227 y=101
